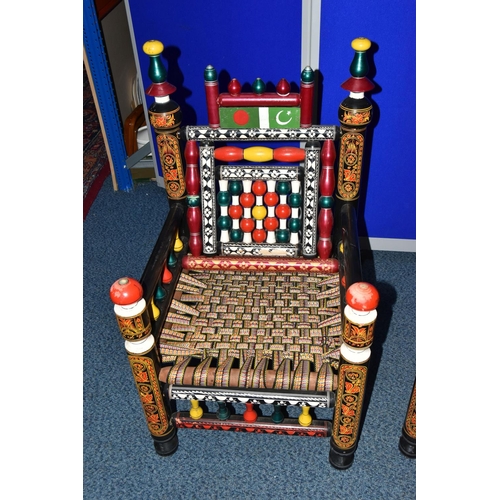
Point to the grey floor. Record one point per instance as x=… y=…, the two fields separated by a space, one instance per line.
x=119 y=459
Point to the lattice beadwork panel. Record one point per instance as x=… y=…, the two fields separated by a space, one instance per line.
x=280 y=326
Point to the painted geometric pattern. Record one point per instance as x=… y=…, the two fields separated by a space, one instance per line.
x=285 y=323
x=259 y=172
x=311 y=179
x=208 y=196
x=313 y=133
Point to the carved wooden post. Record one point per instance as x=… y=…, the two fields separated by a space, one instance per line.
x=359 y=321
x=135 y=326
x=408 y=439
x=165 y=116
x=355 y=114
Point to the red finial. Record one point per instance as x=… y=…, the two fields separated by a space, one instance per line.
x=362 y=296
x=125 y=292
x=283 y=87
x=234 y=87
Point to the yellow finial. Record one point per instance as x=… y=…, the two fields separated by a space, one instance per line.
x=361 y=44
x=153 y=48
x=196 y=411
x=178 y=245
x=156 y=311
x=305 y=419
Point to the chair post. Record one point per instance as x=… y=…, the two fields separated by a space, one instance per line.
x=355 y=114
x=165 y=116
x=408 y=439
x=359 y=321
x=135 y=326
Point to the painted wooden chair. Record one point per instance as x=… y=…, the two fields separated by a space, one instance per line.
x=252 y=305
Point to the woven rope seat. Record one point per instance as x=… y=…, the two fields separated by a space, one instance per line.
x=270 y=328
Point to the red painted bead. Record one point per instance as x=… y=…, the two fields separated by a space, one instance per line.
x=234 y=87
x=125 y=291
x=283 y=211
x=259 y=188
x=247 y=225
x=289 y=154
x=271 y=223
x=271 y=199
x=247 y=200
x=228 y=153
x=283 y=87
x=259 y=235
x=362 y=296
x=235 y=212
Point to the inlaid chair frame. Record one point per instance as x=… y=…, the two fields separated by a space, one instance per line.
x=252 y=301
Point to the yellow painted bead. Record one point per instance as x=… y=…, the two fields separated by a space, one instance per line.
x=178 y=245
x=305 y=419
x=258 y=153
x=259 y=212
x=196 y=411
x=153 y=47
x=156 y=311
x=361 y=44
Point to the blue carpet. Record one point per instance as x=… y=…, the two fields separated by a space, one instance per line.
x=119 y=458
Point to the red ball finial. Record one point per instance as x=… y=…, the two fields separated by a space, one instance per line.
x=283 y=87
x=362 y=296
x=234 y=87
x=125 y=292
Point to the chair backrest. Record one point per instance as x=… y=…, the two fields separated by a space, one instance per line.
x=258 y=200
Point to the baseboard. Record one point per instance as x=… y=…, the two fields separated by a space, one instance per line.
x=388 y=244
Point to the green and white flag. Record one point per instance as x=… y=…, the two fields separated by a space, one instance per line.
x=264 y=117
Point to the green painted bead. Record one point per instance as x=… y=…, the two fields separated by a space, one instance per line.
x=326 y=202
x=294 y=225
x=359 y=66
x=210 y=74
x=282 y=187
x=258 y=86
x=224 y=222
x=156 y=71
x=295 y=200
x=160 y=293
x=235 y=188
x=282 y=236
x=223 y=198
x=236 y=235
x=193 y=201
x=307 y=75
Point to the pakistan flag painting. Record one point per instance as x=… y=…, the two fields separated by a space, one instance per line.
x=254 y=117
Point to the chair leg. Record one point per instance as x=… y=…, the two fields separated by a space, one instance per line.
x=408 y=439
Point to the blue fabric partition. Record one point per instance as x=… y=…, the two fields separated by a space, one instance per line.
x=263 y=39
x=388 y=206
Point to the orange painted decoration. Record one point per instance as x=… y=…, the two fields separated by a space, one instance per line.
x=228 y=153
x=289 y=154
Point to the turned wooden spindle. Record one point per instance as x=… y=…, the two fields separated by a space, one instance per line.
x=326 y=188
x=165 y=116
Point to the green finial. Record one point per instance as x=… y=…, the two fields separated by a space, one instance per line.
x=258 y=86
x=210 y=74
x=359 y=66
x=307 y=75
x=156 y=72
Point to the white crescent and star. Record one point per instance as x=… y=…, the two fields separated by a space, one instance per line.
x=289 y=113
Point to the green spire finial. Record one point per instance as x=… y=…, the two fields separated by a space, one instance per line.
x=307 y=75
x=258 y=86
x=359 y=66
x=156 y=72
x=210 y=74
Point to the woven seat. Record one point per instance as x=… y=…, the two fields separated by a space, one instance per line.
x=267 y=329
